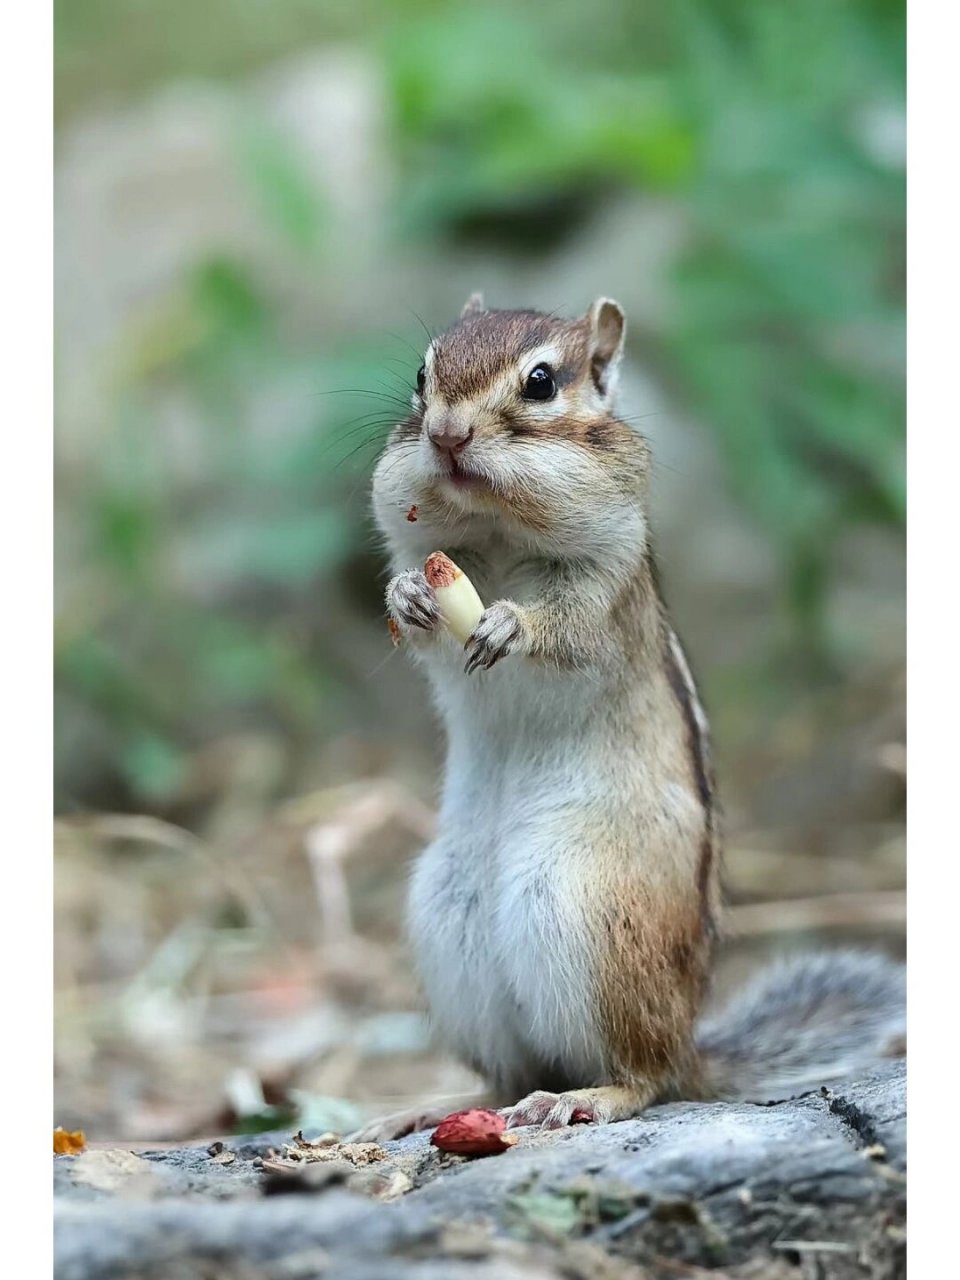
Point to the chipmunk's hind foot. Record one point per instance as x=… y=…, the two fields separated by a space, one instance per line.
x=398 y=1124
x=579 y=1106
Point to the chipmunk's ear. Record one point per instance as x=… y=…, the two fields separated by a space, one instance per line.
x=472 y=305
x=608 y=325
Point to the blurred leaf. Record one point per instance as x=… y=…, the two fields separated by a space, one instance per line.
x=279 y=1117
x=154 y=767
x=287 y=549
x=543 y=1213
x=317 y=1113
x=285 y=194
x=796 y=244
x=490 y=107
x=226 y=294
x=126 y=529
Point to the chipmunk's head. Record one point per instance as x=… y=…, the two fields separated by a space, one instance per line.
x=513 y=423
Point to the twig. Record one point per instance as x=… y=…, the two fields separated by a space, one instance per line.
x=350 y=816
x=814 y=1246
x=829 y=911
x=146 y=829
x=680 y=1268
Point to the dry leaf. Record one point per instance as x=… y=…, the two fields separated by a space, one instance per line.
x=68 y=1144
x=314 y=1144
x=283 y=1178
x=383 y=1183
x=358 y=1152
x=285 y=1168
x=327 y=1148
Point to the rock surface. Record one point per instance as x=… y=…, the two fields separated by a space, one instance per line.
x=811 y=1187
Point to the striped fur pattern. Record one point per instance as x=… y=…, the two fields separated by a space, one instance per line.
x=564 y=917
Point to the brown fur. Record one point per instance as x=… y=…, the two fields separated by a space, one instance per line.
x=604 y=434
x=650 y=987
x=636 y=619
x=698 y=750
x=657 y=949
x=564 y=628
x=527 y=509
x=481 y=344
x=471 y=355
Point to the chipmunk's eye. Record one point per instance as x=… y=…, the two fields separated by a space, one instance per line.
x=540 y=384
x=421 y=379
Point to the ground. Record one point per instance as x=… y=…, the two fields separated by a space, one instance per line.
x=814 y=1187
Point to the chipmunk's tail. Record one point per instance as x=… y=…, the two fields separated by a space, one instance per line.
x=804 y=1022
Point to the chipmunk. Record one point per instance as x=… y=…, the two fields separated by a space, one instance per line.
x=565 y=917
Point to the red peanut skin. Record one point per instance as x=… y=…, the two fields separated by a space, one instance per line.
x=474 y=1132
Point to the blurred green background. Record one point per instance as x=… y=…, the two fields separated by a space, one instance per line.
x=261 y=207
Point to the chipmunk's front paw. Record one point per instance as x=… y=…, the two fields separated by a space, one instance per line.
x=500 y=631
x=412 y=602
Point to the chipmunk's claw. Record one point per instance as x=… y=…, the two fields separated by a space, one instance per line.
x=556 y=1110
x=495 y=636
x=412 y=601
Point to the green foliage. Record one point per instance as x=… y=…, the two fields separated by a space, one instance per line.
x=493 y=110
x=227 y=491
x=788 y=328
x=208 y=566
x=785 y=326
x=288 y=202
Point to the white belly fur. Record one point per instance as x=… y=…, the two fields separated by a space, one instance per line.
x=497 y=911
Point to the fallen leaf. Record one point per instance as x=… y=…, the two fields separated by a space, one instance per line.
x=380 y=1182
x=327 y=1148
x=284 y=1178
x=544 y=1213
x=68 y=1144
x=314 y=1144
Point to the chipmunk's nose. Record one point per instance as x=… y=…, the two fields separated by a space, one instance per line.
x=450 y=434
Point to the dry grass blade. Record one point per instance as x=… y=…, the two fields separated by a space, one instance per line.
x=354 y=815
x=840 y=910
x=145 y=829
